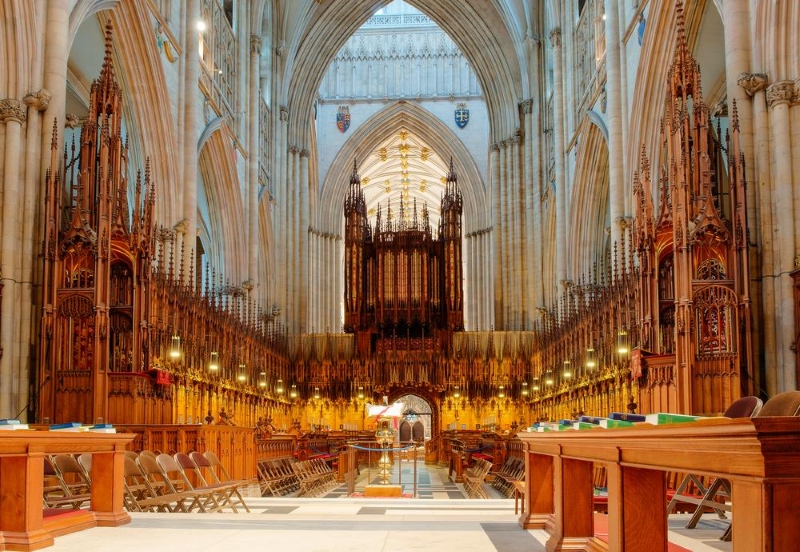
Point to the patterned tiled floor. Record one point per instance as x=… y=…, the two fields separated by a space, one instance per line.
x=441 y=520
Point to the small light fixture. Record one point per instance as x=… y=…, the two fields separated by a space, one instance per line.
x=279 y=387
x=456 y=392
x=622 y=342
x=201 y=25
x=501 y=392
x=175 y=347
x=262 y=382
x=591 y=359
x=535 y=386
x=524 y=388
x=242 y=373
x=548 y=379
x=360 y=392
x=213 y=362
x=293 y=392
x=316 y=393
x=567 y=373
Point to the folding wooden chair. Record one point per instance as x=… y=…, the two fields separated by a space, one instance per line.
x=205 y=499
x=782 y=404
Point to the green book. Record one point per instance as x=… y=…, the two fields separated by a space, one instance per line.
x=661 y=418
x=613 y=424
x=583 y=425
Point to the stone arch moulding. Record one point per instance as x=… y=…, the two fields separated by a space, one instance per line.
x=402 y=114
x=217 y=173
x=475 y=26
x=590 y=199
x=425 y=394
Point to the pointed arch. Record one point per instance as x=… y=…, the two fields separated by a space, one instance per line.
x=590 y=211
x=384 y=123
x=227 y=226
x=478 y=30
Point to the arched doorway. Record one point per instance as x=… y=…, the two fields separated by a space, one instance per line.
x=418 y=418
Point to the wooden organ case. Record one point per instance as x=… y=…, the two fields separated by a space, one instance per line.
x=401 y=280
x=96 y=263
x=695 y=299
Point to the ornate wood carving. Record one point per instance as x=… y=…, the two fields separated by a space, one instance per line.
x=695 y=302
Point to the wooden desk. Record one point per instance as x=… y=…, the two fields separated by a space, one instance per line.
x=22 y=521
x=760 y=456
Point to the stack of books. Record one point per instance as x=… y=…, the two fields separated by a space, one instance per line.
x=11 y=425
x=69 y=426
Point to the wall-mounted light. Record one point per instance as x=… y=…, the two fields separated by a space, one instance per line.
x=213 y=361
x=591 y=358
x=501 y=392
x=316 y=393
x=175 y=347
x=623 y=347
x=360 y=392
x=262 y=381
x=524 y=388
x=201 y=25
x=456 y=392
x=567 y=371
x=242 y=372
x=279 y=387
x=293 y=392
x=548 y=378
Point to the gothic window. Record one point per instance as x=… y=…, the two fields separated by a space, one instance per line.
x=711 y=269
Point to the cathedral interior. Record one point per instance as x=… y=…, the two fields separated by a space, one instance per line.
x=494 y=211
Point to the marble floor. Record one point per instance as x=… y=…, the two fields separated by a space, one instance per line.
x=440 y=519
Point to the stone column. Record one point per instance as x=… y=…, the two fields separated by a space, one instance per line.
x=302 y=250
x=505 y=265
x=614 y=92
x=254 y=158
x=282 y=187
x=497 y=242
x=338 y=255
x=558 y=140
x=779 y=96
x=36 y=102
x=529 y=186
x=755 y=84
x=519 y=251
x=12 y=113
x=191 y=133
x=290 y=254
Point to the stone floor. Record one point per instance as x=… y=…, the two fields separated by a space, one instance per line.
x=440 y=519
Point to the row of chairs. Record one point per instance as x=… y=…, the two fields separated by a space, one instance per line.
x=474 y=478
x=513 y=469
x=314 y=477
x=163 y=483
x=67 y=481
x=276 y=477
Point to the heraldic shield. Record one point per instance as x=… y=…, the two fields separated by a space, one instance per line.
x=462 y=115
x=343 y=118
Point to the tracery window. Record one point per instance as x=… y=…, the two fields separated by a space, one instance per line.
x=711 y=269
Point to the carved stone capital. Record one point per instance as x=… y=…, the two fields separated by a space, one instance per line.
x=182 y=226
x=304 y=153
x=284 y=114
x=73 y=121
x=780 y=93
x=255 y=44
x=496 y=146
x=797 y=262
x=623 y=222
x=555 y=37
x=752 y=82
x=293 y=150
x=39 y=100
x=12 y=110
x=527 y=106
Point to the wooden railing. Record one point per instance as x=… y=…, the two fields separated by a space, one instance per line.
x=757 y=455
